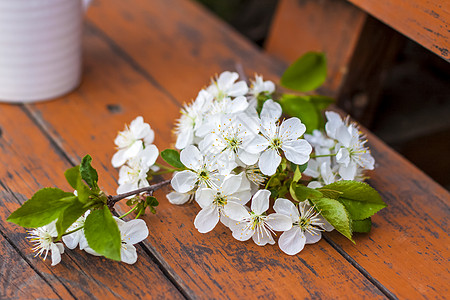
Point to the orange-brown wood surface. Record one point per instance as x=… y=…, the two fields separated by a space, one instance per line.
x=425 y=21
x=146 y=58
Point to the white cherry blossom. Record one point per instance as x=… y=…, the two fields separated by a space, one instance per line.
x=256 y=224
x=42 y=239
x=260 y=86
x=201 y=171
x=229 y=140
x=131 y=141
x=226 y=86
x=214 y=201
x=133 y=175
x=276 y=137
x=192 y=116
x=307 y=225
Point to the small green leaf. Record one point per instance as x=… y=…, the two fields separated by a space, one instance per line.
x=359 y=198
x=69 y=215
x=307 y=73
x=302 y=108
x=151 y=201
x=334 y=212
x=363 y=226
x=88 y=173
x=297 y=174
x=102 y=233
x=73 y=176
x=172 y=157
x=43 y=208
x=300 y=192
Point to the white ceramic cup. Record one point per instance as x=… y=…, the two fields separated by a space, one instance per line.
x=40 y=48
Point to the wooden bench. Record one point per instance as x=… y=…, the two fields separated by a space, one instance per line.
x=147 y=58
x=361 y=39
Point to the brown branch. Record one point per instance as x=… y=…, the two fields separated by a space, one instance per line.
x=149 y=189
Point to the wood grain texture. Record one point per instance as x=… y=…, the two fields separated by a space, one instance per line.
x=210 y=265
x=425 y=21
x=328 y=26
x=206 y=40
x=28 y=162
x=18 y=279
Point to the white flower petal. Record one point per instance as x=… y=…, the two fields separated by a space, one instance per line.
x=128 y=254
x=205 y=196
x=177 y=198
x=240 y=88
x=56 y=249
x=349 y=172
x=191 y=157
x=291 y=129
x=133 y=231
x=241 y=231
x=258 y=144
x=119 y=158
x=262 y=237
x=184 y=139
x=292 y=241
x=312 y=238
x=279 y=222
x=71 y=241
x=235 y=211
x=343 y=135
x=247 y=157
x=184 y=181
x=271 y=110
x=297 y=151
x=231 y=184
x=269 y=162
x=260 y=201
x=207 y=219
x=286 y=207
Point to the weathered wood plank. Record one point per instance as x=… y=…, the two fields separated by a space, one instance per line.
x=202 y=49
x=210 y=265
x=425 y=21
x=18 y=279
x=28 y=162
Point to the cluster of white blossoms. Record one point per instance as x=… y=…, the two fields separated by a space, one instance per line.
x=135 y=155
x=43 y=238
x=340 y=154
x=229 y=151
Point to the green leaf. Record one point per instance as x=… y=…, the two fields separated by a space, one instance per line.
x=102 y=233
x=363 y=226
x=321 y=102
x=300 y=192
x=88 y=173
x=73 y=176
x=151 y=201
x=172 y=157
x=302 y=108
x=69 y=215
x=43 y=208
x=297 y=174
x=334 y=212
x=359 y=198
x=327 y=193
x=307 y=73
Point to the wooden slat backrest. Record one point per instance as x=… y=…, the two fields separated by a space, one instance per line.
x=425 y=21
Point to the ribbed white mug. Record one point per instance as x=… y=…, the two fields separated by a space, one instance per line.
x=40 y=48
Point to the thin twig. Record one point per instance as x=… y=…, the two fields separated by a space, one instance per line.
x=150 y=189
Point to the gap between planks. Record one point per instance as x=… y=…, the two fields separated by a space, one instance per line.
x=153 y=254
